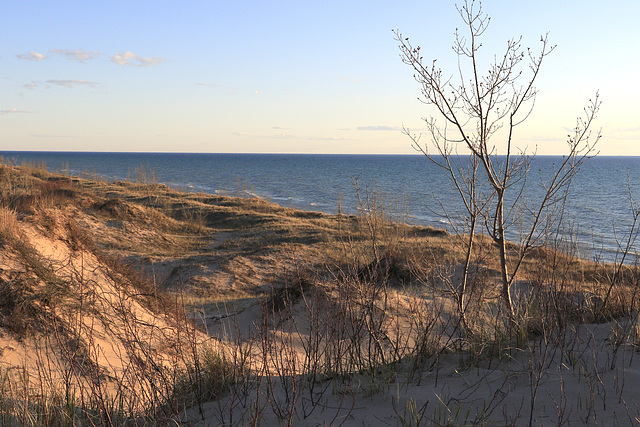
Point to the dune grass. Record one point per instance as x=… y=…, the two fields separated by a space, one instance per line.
x=236 y=311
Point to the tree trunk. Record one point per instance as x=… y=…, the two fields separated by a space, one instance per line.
x=502 y=247
x=465 y=276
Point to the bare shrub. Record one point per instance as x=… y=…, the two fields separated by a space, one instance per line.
x=491 y=178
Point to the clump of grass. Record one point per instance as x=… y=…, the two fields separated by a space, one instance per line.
x=296 y=284
x=19 y=310
x=210 y=377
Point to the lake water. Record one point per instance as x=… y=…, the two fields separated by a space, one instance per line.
x=598 y=209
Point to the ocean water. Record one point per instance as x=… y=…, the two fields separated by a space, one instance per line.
x=597 y=215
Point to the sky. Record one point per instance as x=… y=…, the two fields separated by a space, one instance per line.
x=291 y=76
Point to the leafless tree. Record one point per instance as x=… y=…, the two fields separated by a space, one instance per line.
x=475 y=112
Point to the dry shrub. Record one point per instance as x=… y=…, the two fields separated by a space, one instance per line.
x=113 y=207
x=9 y=227
x=296 y=284
x=20 y=312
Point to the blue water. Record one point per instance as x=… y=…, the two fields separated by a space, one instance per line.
x=598 y=209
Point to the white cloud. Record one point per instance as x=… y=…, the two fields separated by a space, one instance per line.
x=282 y=136
x=77 y=54
x=280 y=128
x=12 y=110
x=130 y=58
x=539 y=138
x=208 y=84
x=330 y=138
x=263 y=136
x=71 y=83
x=349 y=79
x=619 y=130
x=48 y=135
x=32 y=56
x=394 y=128
x=30 y=85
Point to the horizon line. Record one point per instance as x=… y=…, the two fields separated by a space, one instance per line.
x=279 y=153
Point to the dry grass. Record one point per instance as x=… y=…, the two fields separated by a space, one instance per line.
x=311 y=314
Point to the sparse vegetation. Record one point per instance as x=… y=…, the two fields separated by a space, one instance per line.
x=474 y=110
x=259 y=314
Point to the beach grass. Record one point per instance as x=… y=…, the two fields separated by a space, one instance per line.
x=132 y=303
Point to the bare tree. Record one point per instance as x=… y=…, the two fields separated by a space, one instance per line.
x=475 y=111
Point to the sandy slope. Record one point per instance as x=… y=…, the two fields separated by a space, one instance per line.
x=79 y=316
x=589 y=375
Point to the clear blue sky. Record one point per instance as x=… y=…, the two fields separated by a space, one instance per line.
x=289 y=76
